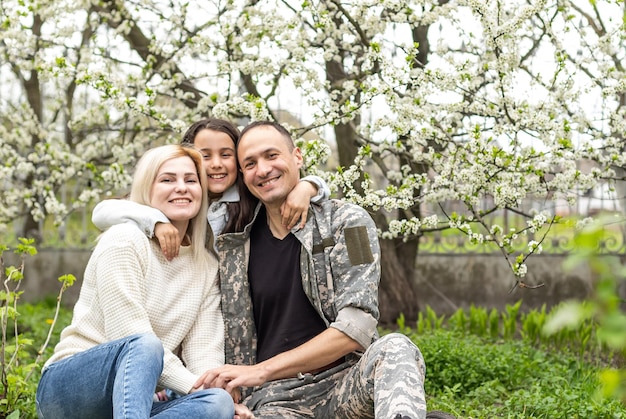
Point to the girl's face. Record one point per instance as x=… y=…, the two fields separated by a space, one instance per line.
x=218 y=158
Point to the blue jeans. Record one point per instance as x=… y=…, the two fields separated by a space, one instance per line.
x=117 y=380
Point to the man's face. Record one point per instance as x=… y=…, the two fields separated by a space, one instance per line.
x=270 y=169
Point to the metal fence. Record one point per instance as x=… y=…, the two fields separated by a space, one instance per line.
x=614 y=243
x=558 y=240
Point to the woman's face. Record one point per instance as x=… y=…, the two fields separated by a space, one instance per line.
x=177 y=191
x=218 y=158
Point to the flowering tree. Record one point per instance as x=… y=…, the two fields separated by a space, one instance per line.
x=428 y=103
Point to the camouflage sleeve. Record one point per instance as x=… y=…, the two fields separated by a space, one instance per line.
x=355 y=261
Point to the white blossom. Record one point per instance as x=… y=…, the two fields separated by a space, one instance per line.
x=504 y=113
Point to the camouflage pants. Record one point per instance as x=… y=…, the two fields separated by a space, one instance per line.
x=388 y=379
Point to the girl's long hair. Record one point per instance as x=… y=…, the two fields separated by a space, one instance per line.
x=239 y=213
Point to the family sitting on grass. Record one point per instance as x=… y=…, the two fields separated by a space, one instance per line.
x=228 y=287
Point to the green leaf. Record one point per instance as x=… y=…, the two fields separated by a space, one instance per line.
x=567 y=316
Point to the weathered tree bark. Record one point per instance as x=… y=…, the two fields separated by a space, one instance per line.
x=32 y=87
x=30 y=228
x=397 y=292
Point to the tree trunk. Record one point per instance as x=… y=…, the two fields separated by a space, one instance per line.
x=30 y=228
x=397 y=293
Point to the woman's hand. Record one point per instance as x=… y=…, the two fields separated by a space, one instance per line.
x=161 y=396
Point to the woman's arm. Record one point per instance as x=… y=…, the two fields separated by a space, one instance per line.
x=150 y=220
x=203 y=348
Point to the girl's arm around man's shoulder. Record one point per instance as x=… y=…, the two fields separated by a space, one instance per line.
x=323 y=192
x=116 y=211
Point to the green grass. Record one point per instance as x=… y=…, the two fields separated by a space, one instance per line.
x=34 y=321
x=483 y=363
x=470 y=373
x=474 y=377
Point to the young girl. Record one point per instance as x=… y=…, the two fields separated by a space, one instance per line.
x=143 y=322
x=231 y=206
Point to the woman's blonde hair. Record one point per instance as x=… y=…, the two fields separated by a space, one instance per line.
x=146 y=171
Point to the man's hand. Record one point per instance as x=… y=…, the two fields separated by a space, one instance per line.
x=168 y=238
x=242 y=412
x=231 y=377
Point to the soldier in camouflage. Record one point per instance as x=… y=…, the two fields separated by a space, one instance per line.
x=301 y=306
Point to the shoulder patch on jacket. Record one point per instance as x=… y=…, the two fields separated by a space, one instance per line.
x=358 y=244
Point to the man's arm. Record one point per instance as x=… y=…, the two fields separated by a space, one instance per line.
x=325 y=348
x=354 y=253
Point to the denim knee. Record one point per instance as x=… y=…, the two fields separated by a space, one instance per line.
x=219 y=404
x=147 y=346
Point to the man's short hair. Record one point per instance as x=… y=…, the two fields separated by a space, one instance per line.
x=278 y=127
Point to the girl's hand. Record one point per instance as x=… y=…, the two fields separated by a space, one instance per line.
x=296 y=206
x=168 y=238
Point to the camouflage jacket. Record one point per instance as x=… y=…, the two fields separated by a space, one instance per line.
x=340 y=265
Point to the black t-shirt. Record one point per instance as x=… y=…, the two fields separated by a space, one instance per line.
x=283 y=315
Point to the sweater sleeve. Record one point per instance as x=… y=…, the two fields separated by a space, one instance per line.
x=119 y=271
x=116 y=211
x=203 y=348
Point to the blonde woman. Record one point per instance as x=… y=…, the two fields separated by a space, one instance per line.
x=143 y=322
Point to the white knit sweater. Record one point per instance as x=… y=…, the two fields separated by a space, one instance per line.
x=129 y=288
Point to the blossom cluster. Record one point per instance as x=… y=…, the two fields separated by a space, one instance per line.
x=432 y=115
